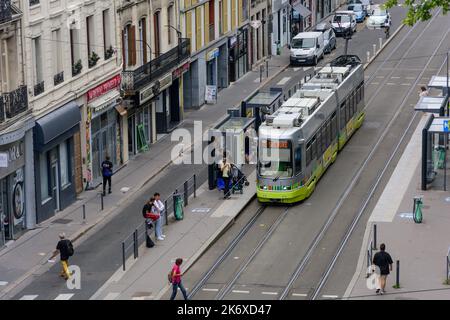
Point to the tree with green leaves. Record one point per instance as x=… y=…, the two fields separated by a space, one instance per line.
x=419 y=10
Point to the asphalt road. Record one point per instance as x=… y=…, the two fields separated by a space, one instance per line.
x=391 y=91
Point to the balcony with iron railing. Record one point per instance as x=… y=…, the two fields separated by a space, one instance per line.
x=133 y=80
x=13 y=103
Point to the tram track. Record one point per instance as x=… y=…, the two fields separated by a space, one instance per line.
x=306 y=258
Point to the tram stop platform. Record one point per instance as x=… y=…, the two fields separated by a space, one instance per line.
x=205 y=218
x=421 y=248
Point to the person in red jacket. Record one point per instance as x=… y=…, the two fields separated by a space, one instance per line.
x=176 y=280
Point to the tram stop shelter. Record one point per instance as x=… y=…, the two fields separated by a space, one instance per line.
x=435 y=154
x=232 y=136
x=441 y=83
x=437 y=105
x=260 y=104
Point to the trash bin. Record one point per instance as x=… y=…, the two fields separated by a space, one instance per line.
x=417 y=214
x=178 y=204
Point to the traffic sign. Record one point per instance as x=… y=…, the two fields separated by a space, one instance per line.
x=445 y=123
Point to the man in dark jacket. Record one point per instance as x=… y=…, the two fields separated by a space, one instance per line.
x=383 y=261
x=64 y=248
x=107 y=172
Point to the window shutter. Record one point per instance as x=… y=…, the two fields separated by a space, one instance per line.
x=233 y=14
x=132 y=45
x=198 y=31
x=225 y=16
x=144 y=38
x=123 y=50
x=206 y=23
x=189 y=27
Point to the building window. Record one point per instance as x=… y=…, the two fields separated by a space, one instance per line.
x=129 y=48
x=169 y=24
x=107 y=45
x=157 y=34
x=64 y=163
x=43 y=168
x=57 y=57
x=38 y=71
x=34 y=2
x=211 y=20
x=92 y=55
x=75 y=52
x=143 y=41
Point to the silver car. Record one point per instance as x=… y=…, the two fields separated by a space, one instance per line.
x=329 y=37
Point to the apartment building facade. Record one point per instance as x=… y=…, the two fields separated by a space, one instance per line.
x=73 y=77
x=219 y=34
x=155 y=59
x=16 y=128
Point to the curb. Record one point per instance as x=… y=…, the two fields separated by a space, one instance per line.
x=212 y=239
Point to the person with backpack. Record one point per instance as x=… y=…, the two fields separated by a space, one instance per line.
x=175 y=278
x=65 y=249
x=159 y=205
x=149 y=216
x=107 y=172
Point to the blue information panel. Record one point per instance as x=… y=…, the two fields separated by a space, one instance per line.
x=445 y=123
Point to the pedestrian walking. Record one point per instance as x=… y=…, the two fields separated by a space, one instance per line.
x=423 y=91
x=147 y=214
x=175 y=279
x=225 y=168
x=107 y=172
x=383 y=261
x=65 y=249
x=160 y=210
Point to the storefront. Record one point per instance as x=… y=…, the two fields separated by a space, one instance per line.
x=103 y=128
x=54 y=155
x=12 y=190
x=238 y=55
x=281 y=29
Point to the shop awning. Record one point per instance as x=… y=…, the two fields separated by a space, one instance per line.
x=302 y=10
x=105 y=102
x=56 y=123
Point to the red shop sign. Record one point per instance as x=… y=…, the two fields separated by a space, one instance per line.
x=104 y=88
x=178 y=72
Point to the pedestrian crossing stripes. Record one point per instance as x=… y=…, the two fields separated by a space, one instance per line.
x=269 y=293
x=210 y=289
x=3 y=283
x=241 y=291
x=330 y=296
x=111 y=296
x=299 y=295
x=29 y=297
x=64 y=296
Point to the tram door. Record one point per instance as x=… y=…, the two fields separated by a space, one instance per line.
x=6 y=223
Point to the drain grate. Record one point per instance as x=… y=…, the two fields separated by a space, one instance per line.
x=62 y=221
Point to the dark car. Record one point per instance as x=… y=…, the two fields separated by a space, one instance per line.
x=329 y=38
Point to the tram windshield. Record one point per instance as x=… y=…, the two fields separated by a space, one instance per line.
x=275 y=159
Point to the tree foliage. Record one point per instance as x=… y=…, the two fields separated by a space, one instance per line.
x=419 y=10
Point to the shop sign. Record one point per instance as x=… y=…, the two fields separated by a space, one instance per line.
x=211 y=94
x=232 y=41
x=12 y=158
x=179 y=71
x=18 y=197
x=212 y=54
x=104 y=88
x=155 y=88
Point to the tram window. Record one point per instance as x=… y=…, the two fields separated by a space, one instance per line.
x=324 y=138
x=298 y=160
x=362 y=93
x=313 y=148
x=333 y=126
x=308 y=153
x=342 y=116
x=347 y=110
x=328 y=133
x=352 y=105
x=319 y=144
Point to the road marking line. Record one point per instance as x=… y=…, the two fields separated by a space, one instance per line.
x=406 y=84
x=111 y=296
x=299 y=294
x=410 y=78
x=3 y=283
x=306 y=69
x=29 y=297
x=390 y=84
x=296 y=69
x=375 y=83
x=270 y=293
x=283 y=81
x=330 y=296
x=240 y=291
x=380 y=77
x=210 y=289
x=64 y=296
x=395 y=77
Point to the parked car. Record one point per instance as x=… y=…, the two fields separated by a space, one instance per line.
x=358 y=10
x=343 y=21
x=377 y=18
x=329 y=38
x=365 y=3
x=307 y=48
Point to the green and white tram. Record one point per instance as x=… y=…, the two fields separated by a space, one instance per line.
x=302 y=138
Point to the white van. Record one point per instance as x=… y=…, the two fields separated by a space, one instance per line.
x=307 y=47
x=342 y=21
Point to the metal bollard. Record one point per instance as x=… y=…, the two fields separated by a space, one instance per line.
x=260 y=73
x=135 y=246
x=123 y=256
x=267 y=68
x=380 y=40
x=165 y=213
x=375 y=237
x=304 y=81
x=101 y=200
x=397 y=275
x=84 y=213
x=368 y=56
x=374 y=49
x=195 y=186
x=186 y=193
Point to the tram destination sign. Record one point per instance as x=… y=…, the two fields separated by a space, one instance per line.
x=276 y=144
x=445 y=124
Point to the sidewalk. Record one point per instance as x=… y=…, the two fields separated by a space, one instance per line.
x=205 y=219
x=25 y=256
x=420 y=248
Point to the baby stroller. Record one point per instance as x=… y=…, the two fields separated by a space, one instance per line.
x=238 y=180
